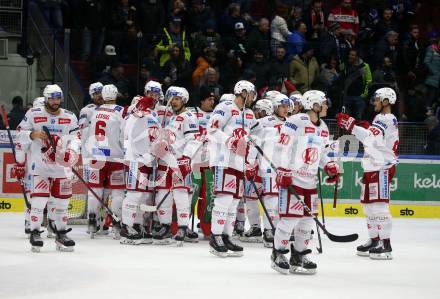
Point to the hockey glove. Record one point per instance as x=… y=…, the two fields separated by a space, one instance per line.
x=363 y=123
x=284 y=177
x=332 y=170
x=251 y=172
x=184 y=164
x=67 y=158
x=345 y=121
x=239 y=146
x=19 y=170
x=47 y=150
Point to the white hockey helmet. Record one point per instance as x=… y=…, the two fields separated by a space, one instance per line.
x=280 y=99
x=312 y=97
x=271 y=94
x=154 y=87
x=109 y=93
x=264 y=105
x=295 y=98
x=175 y=91
x=38 y=102
x=244 y=85
x=386 y=93
x=95 y=88
x=227 y=97
x=52 y=91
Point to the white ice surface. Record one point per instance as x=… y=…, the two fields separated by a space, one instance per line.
x=102 y=268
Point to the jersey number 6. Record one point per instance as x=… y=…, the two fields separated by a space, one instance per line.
x=100 y=130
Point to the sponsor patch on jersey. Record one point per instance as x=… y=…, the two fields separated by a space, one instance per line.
x=222 y=113
x=101 y=152
x=119 y=108
x=291 y=125
x=40 y=119
x=63 y=121
x=304 y=118
x=235 y=112
x=380 y=123
x=104 y=109
x=324 y=133
x=249 y=116
x=192 y=126
x=36 y=109
x=199 y=114
x=271 y=118
x=160 y=112
x=189 y=114
x=309 y=130
x=179 y=118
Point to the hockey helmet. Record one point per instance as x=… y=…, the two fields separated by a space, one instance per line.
x=264 y=105
x=52 y=91
x=312 y=97
x=386 y=93
x=95 y=88
x=109 y=92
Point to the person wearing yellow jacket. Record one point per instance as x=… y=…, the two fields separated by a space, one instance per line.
x=171 y=36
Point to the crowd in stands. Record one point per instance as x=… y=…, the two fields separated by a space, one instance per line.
x=347 y=48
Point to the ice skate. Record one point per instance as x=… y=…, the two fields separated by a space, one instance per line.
x=63 y=242
x=180 y=236
x=234 y=250
x=116 y=230
x=51 y=229
x=147 y=237
x=92 y=227
x=253 y=235
x=129 y=236
x=191 y=236
x=279 y=261
x=238 y=229
x=382 y=251
x=363 y=250
x=268 y=238
x=27 y=229
x=217 y=247
x=163 y=236
x=35 y=240
x=300 y=264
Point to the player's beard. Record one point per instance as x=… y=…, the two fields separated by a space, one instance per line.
x=53 y=107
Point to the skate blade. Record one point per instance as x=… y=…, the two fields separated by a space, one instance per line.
x=235 y=253
x=35 y=249
x=162 y=242
x=381 y=256
x=278 y=269
x=125 y=241
x=217 y=253
x=188 y=240
x=147 y=241
x=301 y=270
x=62 y=248
x=102 y=233
x=50 y=235
x=251 y=239
x=268 y=244
x=363 y=253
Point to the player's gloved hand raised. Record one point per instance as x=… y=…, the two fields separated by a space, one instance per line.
x=47 y=150
x=332 y=170
x=345 y=121
x=284 y=177
x=184 y=164
x=251 y=172
x=19 y=170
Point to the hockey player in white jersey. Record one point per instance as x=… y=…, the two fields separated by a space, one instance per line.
x=302 y=147
x=176 y=146
x=105 y=147
x=141 y=130
x=380 y=140
x=51 y=167
x=230 y=122
x=295 y=102
x=152 y=89
x=262 y=109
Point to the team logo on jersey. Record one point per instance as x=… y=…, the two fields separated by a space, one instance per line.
x=52 y=121
x=310 y=155
x=324 y=133
x=222 y=113
x=179 y=118
x=284 y=139
x=235 y=112
x=40 y=119
x=309 y=130
x=63 y=121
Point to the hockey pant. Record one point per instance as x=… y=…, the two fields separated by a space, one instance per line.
x=302 y=226
x=378 y=218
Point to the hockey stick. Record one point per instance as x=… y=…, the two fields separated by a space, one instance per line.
x=103 y=203
x=334 y=238
x=263 y=205
x=322 y=212
x=11 y=141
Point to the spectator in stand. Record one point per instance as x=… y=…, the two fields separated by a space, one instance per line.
x=175 y=36
x=137 y=83
x=208 y=38
x=237 y=44
x=259 y=38
x=334 y=45
x=177 y=70
x=177 y=9
x=210 y=82
x=200 y=14
x=385 y=76
x=386 y=24
x=315 y=20
x=52 y=10
x=296 y=40
x=103 y=63
x=116 y=76
x=433 y=139
x=230 y=71
x=345 y=15
x=357 y=78
x=151 y=19
x=260 y=67
x=279 y=69
x=295 y=17
x=329 y=72
x=387 y=47
x=432 y=62
x=207 y=60
x=17 y=112
x=92 y=18
x=123 y=29
x=228 y=20
x=303 y=69
x=278 y=28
